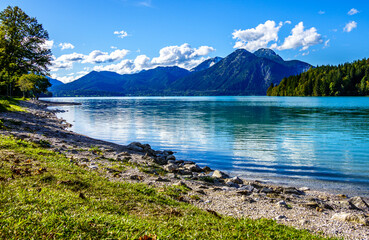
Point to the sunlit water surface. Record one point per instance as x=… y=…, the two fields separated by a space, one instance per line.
x=322 y=143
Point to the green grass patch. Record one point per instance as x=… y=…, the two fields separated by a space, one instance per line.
x=44 y=196
x=8 y=104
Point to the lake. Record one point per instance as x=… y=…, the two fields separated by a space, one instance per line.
x=319 y=142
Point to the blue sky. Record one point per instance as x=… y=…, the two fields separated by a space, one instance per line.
x=127 y=36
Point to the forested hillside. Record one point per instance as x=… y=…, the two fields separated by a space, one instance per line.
x=349 y=79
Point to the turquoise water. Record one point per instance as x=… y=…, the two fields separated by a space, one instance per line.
x=322 y=143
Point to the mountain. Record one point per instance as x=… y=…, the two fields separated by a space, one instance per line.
x=206 y=64
x=240 y=73
x=149 y=82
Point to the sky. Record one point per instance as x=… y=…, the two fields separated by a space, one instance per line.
x=127 y=36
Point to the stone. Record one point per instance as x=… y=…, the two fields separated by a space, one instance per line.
x=247 y=188
x=171 y=167
x=266 y=190
x=159 y=179
x=206 y=169
x=244 y=192
x=347 y=205
x=171 y=157
x=193 y=167
x=292 y=190
x=359 y=202
x=280 y=217
x=351 y=217
x=201 y=191
x=282 y=204
x=180 y=183
x=236 y=180
x=304 y=189
x=188 y=162
x=312 y=204
x=219 y=174
x=135 y=146
x=232 y=184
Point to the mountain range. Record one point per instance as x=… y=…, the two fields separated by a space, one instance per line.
x=240 y=73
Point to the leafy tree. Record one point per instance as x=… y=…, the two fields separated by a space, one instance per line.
x=22 y=47
x=33 y=84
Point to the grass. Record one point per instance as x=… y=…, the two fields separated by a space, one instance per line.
x=44 y=196
x=8 y=104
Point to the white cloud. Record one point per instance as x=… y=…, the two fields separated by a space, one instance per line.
x=180 y=55
x=113 y=47
x=350 y=26
x=301 y=38
x=121 y=34
x=48 y=44
x=66 y=46
x=321 y=12
x=326 y=43
x=98 y=56
x=66 y=61
x=254 y=38
x=183 y=56
x=353 y=11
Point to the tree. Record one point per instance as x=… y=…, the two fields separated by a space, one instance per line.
x=33 y=84
x=22 y=47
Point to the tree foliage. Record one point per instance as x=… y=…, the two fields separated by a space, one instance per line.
x=33 y=85
x=22 y=47
x=349 y=79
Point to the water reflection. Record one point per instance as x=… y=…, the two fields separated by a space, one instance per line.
x=264 y=137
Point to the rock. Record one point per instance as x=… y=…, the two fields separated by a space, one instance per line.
x=232 y=184
x=172 y=161
x=266 y=190
x=304 y=189
x=282 y=204
x=292 y=190
x=93 y=167
x=351 y=217
x=312 y=204
x=188 y=162
x=341 y=196
x=347 y=205
x=159 y=179
x=171 y=167
x=201 y=191
x=180 y=183
x=244 y=192
x=206 y=169
x=136 y=177
x=247 y=188
x=135 y=146
x=193 y=167
x=248 y=199
x=219 y=174
x=359 y=202
x=171 y=157
x=280 y=217
x=235 y=180
x=327 y=206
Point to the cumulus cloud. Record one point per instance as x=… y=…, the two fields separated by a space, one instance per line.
x=121 y=34
x=353 y=11
x=64 y=46
x=180 y=55
x=98 y=56
x=350 y=26
x=66 y=61
x=254 y=38
x=301 y=38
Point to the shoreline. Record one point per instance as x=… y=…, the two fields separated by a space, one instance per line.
x=302 y=208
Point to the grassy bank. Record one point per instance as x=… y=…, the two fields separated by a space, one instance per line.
x=9 y=104
x=43 y=195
